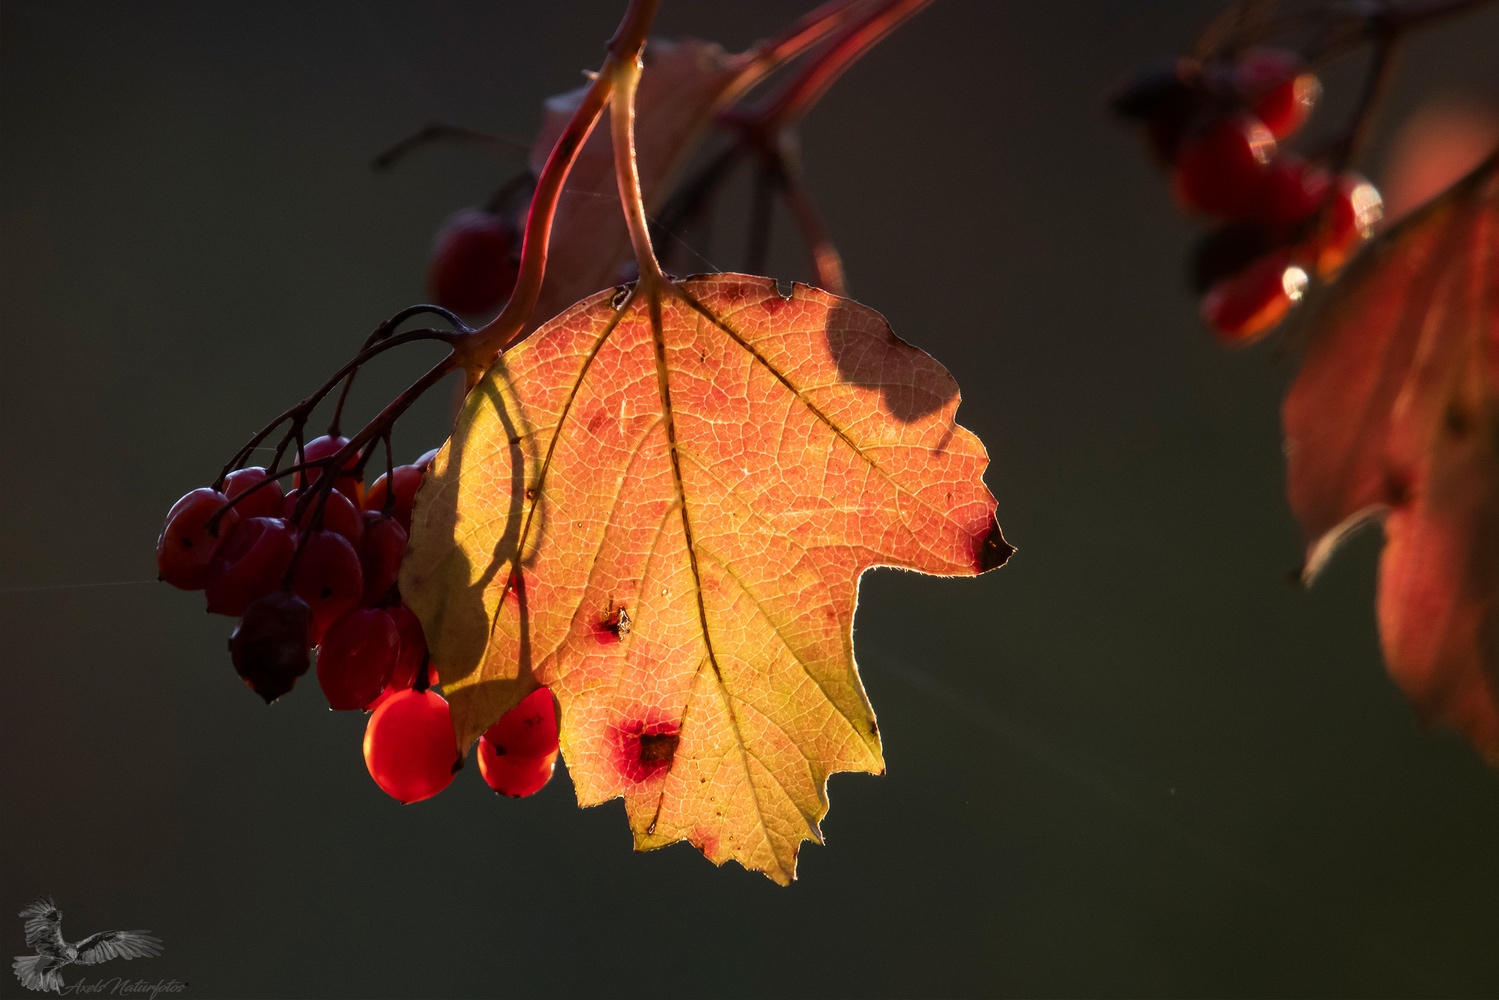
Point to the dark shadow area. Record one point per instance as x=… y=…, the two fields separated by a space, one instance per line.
x=866 y=354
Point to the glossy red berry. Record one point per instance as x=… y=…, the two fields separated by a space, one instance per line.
x=514 y=776
x=1242 y=308
x=409 y=746
x=325 y=447
x=187 y=544
x=408 y=479
x=1351 y=219
x=529 y=729
x=249 y=565
x=412 y=653
x=328 y=577
x=517 y=753
x=474 y=262
x=426 y=460
x=340 y=515
x=269 y=646
x=1292 y=192
x=1278 y=88
x=1220 y=169
x=384 y=548
x=356 y=658
x=265 y=501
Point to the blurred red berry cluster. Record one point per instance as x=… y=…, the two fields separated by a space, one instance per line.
x=1219 y=129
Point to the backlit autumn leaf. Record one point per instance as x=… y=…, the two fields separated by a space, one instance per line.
x=1395 y=414
x=665 y=521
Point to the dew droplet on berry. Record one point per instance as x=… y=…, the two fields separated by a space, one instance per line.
x=1278 y=88
x=1248 y=305
x=1351 y=219
x=1219 y=169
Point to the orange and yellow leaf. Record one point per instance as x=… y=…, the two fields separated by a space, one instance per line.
x=660 y=508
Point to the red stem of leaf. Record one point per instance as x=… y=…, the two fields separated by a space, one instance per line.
x=479 y=351
x=808 y=87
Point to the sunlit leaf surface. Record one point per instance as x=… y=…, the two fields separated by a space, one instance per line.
x=665 y=520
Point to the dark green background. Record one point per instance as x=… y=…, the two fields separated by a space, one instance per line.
x=1133 y=762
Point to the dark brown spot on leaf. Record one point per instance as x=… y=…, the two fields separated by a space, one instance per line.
x=658 y=748
x=1456 y=421
x=1397 y=487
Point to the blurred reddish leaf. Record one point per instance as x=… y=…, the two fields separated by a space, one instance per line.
x=1435 y=147
x=1395 y=414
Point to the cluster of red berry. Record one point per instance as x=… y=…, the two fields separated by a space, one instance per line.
x=315 y=568
x=1218 y=126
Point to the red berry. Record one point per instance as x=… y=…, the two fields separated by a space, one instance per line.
x=426 y=459
x=1355 y=210
x=409 y=746
x=1293 y=191
x=1220 y=169
x=474 y=262
x=1242 y=308
x=515 y=776
x=340 y=515
x=356 y=658
x=269 y=646
x=264 y=502
x=1278 y=88
x=408 y=479
x=250 y=564
x=325 y=447
x=186 y=546
x=412 y=653
x=518 y=752
x=384 y=548
x=527 y=730
x=329 y=579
